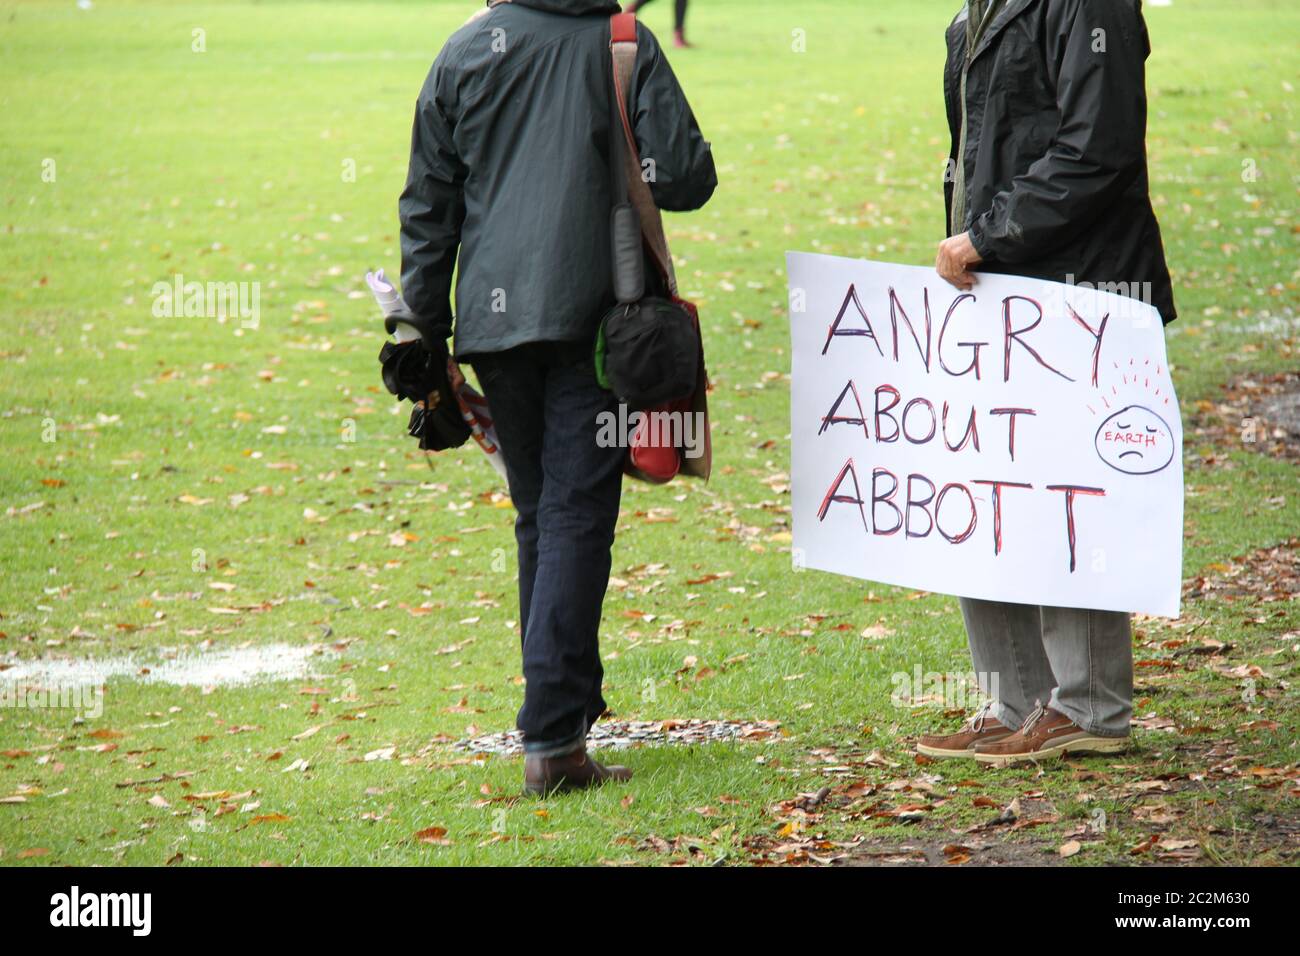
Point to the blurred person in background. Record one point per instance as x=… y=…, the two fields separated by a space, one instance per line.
x=679 y=19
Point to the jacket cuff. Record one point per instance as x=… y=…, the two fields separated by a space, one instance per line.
x=979 y=240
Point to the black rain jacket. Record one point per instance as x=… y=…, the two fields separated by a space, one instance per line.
x=1056 y=169
x=510 y=170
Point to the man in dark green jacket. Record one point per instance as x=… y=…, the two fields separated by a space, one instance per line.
x=510 y=171
x=1048 y=174
x=1048 y=179
x=510 y=185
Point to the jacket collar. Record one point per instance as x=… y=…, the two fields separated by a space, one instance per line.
x=575 y=8
x=1009 y=11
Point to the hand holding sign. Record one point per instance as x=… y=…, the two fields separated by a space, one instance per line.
x=957 y=256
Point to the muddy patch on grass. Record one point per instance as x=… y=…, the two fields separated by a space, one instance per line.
x=1264 y=576
x=927 y=848
x=227 y=667
x=1257 y=413
x=957 y=852
x=802 y=825
x=626 y=734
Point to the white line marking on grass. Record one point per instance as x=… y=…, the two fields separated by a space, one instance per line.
x=232 y=667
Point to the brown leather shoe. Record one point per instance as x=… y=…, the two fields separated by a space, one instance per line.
x=980 y=728
x=572 y=771
x=1046 y=734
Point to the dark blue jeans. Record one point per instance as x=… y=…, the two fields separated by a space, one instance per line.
x=545 y=402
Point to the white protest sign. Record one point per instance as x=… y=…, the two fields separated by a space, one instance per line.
x=1020 y=442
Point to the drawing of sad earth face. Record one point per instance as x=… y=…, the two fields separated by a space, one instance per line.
x=1136 y=441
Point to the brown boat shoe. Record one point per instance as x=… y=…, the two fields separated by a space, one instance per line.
x=1045 y=734
x=979 y=729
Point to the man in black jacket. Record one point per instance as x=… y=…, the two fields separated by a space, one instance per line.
x=1048 y=179
x=510 y=183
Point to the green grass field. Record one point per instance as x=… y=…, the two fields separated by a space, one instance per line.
x=189 y=483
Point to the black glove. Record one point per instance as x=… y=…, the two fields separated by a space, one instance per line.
x=418 y=371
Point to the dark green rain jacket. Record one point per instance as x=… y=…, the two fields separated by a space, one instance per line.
x=1054 y=162
x=510 y=178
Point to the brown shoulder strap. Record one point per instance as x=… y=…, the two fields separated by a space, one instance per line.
x=623 y=46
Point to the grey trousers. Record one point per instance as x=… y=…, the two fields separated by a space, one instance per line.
x=1078 y=662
